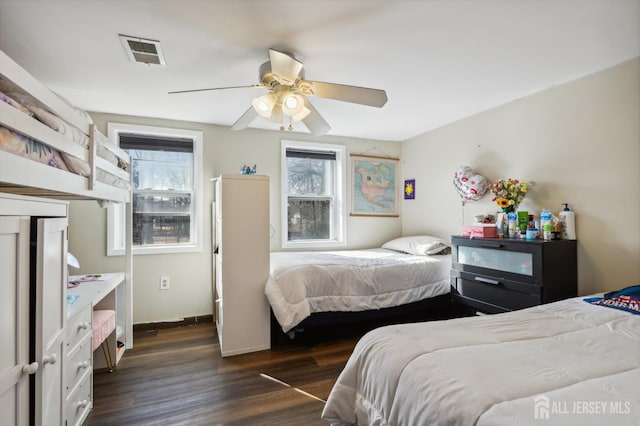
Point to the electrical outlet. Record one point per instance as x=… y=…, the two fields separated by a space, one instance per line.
x=164 y=283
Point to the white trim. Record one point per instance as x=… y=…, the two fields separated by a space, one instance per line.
x=339 y=225
x=116 y=212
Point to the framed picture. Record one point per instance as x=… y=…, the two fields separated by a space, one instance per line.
x=375 y=186
x=410 y=189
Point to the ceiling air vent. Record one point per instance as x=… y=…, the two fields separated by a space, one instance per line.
x=143 y=50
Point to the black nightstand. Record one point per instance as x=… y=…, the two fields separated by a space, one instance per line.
x=496 y=275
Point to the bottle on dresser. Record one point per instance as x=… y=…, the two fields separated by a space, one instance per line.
x=568 y=219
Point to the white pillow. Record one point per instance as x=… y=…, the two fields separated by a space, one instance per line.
x=419 y=245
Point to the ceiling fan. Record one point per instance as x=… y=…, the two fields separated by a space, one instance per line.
x=286 y=99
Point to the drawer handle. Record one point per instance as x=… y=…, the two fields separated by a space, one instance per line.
x=83 y=326
x=489 y=245
x=83 y=403
x=487 y=281
x=84 y=364
x=30 y=368
x=50 y=359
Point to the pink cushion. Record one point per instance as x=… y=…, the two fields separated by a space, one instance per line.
x=104 y=322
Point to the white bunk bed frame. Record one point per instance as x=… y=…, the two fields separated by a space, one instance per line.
x=23 y=176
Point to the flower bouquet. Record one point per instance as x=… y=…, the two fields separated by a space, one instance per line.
x=509 y=193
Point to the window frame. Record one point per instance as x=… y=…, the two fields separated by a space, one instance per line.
x=116 y=212
x=339 y=211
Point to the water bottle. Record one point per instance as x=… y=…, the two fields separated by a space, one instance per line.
x=545 y=219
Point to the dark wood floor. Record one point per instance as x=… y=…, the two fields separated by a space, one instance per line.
x=176 y=376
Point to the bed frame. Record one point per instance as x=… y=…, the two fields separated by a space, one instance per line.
x=322 y=326
x=23 y=176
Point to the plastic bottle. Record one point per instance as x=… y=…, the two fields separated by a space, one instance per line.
x=545 y=219
x=512 y=219
x=569 y=221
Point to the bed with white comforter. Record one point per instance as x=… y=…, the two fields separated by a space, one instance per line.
x=302 y=283
x=563 y=363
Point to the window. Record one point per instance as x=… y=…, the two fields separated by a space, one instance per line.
x=166 y=175
x=313 y=208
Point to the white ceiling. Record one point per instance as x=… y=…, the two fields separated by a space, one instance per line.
x=438 y=61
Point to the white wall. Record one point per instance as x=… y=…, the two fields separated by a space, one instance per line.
x=578 y=142
x=224 y=152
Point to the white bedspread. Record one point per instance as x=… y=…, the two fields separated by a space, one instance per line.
x=351 y=280
x=577 y=363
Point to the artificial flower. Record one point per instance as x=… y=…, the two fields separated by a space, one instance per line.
x=509 y=193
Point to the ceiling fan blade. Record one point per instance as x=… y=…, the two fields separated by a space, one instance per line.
x=286 y=68
x=314 y=121
x=341 y=92
x=246 y=119
x=253 y=86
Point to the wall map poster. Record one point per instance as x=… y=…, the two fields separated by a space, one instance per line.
x=374 y=191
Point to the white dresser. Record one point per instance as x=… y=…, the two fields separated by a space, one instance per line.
x=241 y=218
x=101 y=292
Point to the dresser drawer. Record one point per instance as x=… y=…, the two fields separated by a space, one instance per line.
x=78 y=364
x=499 y=260
x=492 y=295
x=78 y=328
x=79 y=403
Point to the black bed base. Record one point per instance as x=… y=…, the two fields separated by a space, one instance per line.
x=321 y=326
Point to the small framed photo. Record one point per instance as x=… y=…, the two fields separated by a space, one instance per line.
x=410 y=189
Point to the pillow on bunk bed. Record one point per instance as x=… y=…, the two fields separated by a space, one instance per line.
x=80 y=113
x=17 y=105
x=419 y=245
x=76 y=165
x=59 y=125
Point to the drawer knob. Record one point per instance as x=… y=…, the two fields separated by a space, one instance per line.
x=83 y=326
x=50 y=359
x=84 y=364
x=30 y=368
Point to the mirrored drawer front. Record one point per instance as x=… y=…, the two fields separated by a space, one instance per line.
x=501 y=260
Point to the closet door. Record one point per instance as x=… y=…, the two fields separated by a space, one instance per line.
x=14 y=321
x=51 y=285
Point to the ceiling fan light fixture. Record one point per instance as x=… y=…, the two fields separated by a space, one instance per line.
x=276 y=114
x=264 y=104
x=292 y=104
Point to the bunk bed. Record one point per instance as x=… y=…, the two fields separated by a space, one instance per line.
x=49 y=148
x=51 y=152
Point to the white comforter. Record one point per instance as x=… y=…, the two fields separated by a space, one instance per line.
x=351 y=280
x=571 y=361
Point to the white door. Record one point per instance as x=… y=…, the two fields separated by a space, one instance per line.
x=51 y=288
x=14 y=321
